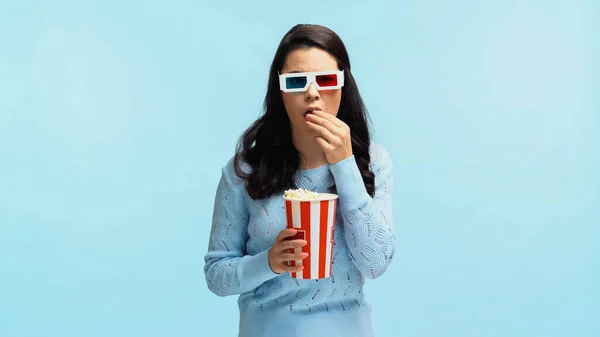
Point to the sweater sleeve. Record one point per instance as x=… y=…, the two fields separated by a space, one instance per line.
x=368 y=223
x=228 y=269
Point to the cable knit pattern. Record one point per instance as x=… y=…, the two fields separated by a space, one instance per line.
x=243 y=230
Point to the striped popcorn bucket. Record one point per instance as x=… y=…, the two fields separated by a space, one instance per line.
x=315 y=222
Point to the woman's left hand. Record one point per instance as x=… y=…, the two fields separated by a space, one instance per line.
x=333 y=135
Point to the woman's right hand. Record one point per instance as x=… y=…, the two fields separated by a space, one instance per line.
x=279 y=254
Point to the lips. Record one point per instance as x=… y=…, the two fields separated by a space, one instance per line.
x=310 y=111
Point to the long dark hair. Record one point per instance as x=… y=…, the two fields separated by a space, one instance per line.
x=267 y=146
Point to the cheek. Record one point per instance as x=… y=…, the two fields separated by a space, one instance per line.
x=290 y=101
x=332 y=101
x=287 y=102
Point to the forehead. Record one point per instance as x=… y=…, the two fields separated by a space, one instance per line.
x=308 y=59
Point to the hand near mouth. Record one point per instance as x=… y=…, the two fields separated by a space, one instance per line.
x=333 y=135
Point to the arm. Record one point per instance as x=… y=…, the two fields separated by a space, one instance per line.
x=228 y=269
x=368 y=223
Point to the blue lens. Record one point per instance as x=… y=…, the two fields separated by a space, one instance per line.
x=295 y=82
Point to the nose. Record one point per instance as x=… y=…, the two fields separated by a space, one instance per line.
x=312 y=92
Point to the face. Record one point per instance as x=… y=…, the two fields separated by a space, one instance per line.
x=297 y=104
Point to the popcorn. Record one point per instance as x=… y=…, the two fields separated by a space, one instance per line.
x=303 y=194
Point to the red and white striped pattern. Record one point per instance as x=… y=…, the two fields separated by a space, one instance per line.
x=316 y=218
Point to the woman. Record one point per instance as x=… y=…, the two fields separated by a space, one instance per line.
x=313 y=135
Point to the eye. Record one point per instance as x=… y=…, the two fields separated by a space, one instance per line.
x=296 y=82
x=327 y=80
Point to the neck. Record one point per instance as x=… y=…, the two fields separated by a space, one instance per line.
x=310 y=154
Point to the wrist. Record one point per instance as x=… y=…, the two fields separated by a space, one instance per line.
x=349 y=182
x=341 y=158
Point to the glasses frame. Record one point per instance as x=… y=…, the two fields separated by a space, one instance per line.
x=311 y=77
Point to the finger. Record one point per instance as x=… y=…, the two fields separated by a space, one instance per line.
x=298 y=236
x=331 y=118
x=324 y=122
x=293 y=257
x=324 y=144
x=291 y=269
x=323 y=132
x=281 y=249
x=293 y=244
x=285 y=234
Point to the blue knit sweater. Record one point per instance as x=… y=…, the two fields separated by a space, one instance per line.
x=270 y=304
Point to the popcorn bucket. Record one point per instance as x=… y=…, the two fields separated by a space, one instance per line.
x=312 y=214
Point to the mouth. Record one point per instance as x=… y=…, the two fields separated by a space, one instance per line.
x=310 y=111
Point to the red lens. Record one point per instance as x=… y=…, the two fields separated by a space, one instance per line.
x=329 y=80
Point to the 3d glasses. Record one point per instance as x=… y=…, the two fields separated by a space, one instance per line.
x=323 y=80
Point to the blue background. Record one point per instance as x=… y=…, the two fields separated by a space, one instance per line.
x=116 y=117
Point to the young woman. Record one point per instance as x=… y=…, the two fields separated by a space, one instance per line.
x=313 y=135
